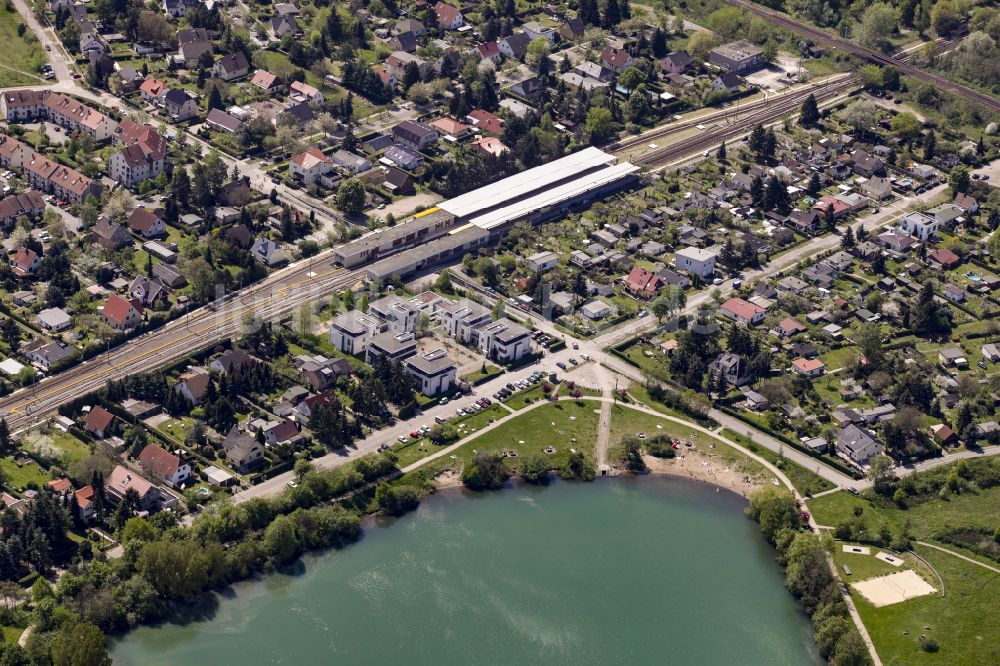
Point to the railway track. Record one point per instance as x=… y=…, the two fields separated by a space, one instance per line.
x=204 y=327
x=799 y=95
x=712 y=136
x=982 y=99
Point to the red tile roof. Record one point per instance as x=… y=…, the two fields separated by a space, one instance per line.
x=742 y=309
x=98 y=420
x=159 y=462
x=117 y=308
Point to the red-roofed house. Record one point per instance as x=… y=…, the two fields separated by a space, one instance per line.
x=387 y=78
x=143 y=157
x=25 y=262
x=485 y=121
x=615 y=59
x=162 y=464
x=193 y=384
x=642 y=283
x=944 y=258
x=789 y=327
x=266 y=81
x=303 y=410
x=122 y=479
x=809 y=367
x=85 y=503
x=488 y=51
x=121 y=314
x=450 y=126
x=146 y=223
x=300 y=91
x=449 y=18
x=61 y=487
x=152 y=90
x=840 y=209
x=743 y=311
x=100 y=423
x=309 y=166
x=490 y=145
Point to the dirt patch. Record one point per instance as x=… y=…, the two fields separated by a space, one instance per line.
x=448 y=479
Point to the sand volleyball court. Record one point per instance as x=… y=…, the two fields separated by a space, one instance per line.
x=894 y=588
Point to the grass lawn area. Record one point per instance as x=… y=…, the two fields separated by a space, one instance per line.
x=837 y=358
x=642 y=395
x=556 y=424
x=20 y=477
x=11 y=634
x=628 y=421
x=479 y=375
x=417 y=449
x=864 y=567
x=522 y=399
x=73 y=448
x=176 y=428
x=972 y=509
x=805 y=481
x=962 y=622
x=23 y=54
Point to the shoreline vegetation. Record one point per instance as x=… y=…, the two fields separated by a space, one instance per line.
x=169 y=572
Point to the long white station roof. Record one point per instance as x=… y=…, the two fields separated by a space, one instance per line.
x=553 y=196
x=524 y=183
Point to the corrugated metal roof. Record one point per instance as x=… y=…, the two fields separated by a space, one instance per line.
x=526 y=182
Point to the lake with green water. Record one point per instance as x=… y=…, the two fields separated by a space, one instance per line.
x=656 y=570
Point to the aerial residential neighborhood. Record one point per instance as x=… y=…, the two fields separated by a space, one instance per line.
x=272 y=268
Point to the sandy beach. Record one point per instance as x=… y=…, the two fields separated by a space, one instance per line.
x=448 y=479
x=695 y=465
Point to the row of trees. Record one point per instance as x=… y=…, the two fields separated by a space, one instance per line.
x=808 y=575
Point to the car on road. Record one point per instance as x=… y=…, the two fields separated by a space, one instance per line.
x=573 y=360
x=292 y=484
x=561 y=365
x=576 y=345
x=585 y=357
x=415 y=435
x=401 y=439
x=982 y=364
x=643 y=313
x=48 y=47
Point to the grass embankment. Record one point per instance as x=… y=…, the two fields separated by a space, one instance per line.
x=23 y=55
x=563 y=425
x=628 y=421
x=979 y=509
x=805 y=481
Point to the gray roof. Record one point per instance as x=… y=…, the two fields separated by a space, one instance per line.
x=431 y=363
x=393 y=344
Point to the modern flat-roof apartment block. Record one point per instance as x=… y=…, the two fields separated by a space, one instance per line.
x=391 y=346
x=505 y=341
x=400 y=315
x=463 y=319
x=350 y=331
x=433 y=370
